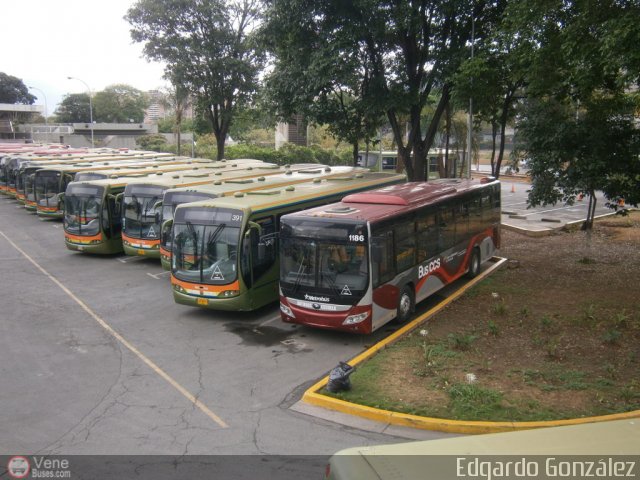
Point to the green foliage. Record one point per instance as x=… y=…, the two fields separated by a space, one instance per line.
x=209 y=48
x=14 y=91
x=354 y=62
x=461 y=341
x=493 y=328
x=611 y=336
x=473 y=401
x=156 y=143
x=578 y=125
x=74 y=108
x=120 y=103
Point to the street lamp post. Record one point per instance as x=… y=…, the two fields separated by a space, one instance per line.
x=90 y=106
x=46 y=121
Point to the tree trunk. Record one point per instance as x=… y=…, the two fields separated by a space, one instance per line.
x=591 y=212
x=504 y=116
x=423 y=146
x=494 y=135
x=448 y=137
x=355 y=153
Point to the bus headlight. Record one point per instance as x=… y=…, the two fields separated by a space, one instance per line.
x=178 y=288
x=286 y=310
x=229 y=293
x=353 y=319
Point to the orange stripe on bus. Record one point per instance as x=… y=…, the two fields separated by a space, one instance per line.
x=140 y=241
x=81 y=238
x=205 y=288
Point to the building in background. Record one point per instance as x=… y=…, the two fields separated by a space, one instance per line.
x=160 y=109
x=294 y=132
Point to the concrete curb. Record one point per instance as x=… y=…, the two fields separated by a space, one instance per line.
x=312 y=397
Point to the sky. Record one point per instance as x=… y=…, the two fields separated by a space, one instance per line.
x=46 y=41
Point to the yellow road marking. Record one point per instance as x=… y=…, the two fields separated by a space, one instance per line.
x=122 y=340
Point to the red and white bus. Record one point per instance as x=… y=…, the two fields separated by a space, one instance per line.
x=357 y=264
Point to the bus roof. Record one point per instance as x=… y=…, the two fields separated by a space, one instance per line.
x=195 y=178
x=377 y=204
x=238 y=172
x=96 y=166
x=267 y=199
x=224 y=187
x=87 y=155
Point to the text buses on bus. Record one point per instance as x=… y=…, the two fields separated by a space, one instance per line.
x=225 y=250
x=360 y=263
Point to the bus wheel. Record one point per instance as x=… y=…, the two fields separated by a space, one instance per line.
x=405 y=305
x=474 y=263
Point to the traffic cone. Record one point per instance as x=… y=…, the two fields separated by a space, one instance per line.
x=513 y=188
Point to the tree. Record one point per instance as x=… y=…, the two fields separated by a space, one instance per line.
x=74 y=108
x=579 y=128
x=211 y=44
x=120 y=103
x=14 y=91
x=494 y=79
x=404 y=52
x=177 y=99
x=317 y=74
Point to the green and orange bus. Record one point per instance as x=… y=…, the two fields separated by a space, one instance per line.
x=225 y=250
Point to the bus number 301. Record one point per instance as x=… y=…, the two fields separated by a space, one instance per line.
x=424 y=270
x=356 y=238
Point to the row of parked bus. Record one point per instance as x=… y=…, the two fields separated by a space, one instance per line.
x=339 y=247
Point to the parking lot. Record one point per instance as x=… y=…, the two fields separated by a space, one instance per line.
x=96 y=358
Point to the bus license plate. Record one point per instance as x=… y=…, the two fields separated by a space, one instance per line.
x=141 y=252
x=203 y=301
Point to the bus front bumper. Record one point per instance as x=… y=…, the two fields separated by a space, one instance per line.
x=224 y=297
x=325 y=319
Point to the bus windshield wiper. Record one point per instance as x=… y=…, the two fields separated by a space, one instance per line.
x=299 y=274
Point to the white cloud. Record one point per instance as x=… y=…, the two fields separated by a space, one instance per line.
x=44 y=42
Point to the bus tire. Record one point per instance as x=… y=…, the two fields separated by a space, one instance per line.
x=406 y=305
x=474 y=263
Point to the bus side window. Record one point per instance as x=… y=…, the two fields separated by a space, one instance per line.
x=382 y=258
x=66 y=180
x=115 y=205
x=405 y=252
x=447 y=228
x=475 y=215
x=265 y=254
x=462 y=221
x=427 y=237
x=487 y=207
x=106 y=215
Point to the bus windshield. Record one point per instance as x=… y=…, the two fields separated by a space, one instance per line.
x=82 y=206
x=141 y=212
x=170 y=202
x=87 y=176
x=325 y=260
x=47 y=186
x=205 y=253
